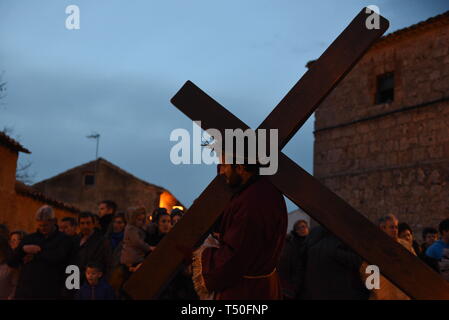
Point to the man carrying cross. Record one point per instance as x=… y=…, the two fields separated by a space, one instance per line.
x=241 y=264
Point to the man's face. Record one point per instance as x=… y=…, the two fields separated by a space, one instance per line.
x=302 y=229
x=93 y=275
x=45 y=227
x=140 y=220
x=407 y=236
x=103 y=209
x=391 y=228
x=164 y=224
x=431 y=238
x=231 y=174
x=67 y=228
x=86 y=226
x=118 y=225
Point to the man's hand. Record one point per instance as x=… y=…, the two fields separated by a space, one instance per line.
x=134 y=269
x=27 y=258
x=31 y=249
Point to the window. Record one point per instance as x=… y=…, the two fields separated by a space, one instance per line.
x=385 y=88
x=89 y=179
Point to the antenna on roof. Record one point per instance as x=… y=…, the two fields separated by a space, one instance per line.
x=96 y=136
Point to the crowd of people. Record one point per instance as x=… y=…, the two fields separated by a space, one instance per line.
x=317 y=265
x=106 y=248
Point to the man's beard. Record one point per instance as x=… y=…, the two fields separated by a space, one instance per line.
x=234 y=181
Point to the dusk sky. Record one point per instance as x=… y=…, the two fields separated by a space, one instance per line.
x=117 y=74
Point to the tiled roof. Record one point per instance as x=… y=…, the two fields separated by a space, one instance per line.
x=12 y=144
x=440 y=19
x=28 y=191
x=111 y=165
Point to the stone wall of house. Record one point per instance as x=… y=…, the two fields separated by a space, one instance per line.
x=8 y=163
x=17 y=210
x=391 y=157
x=110 y=184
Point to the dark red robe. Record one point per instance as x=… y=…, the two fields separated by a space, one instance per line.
x=252 y=234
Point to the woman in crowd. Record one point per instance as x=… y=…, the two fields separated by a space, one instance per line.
x=405 y=233
x=134 y=246
x=162 y=225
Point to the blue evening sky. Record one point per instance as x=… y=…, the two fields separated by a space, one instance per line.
x=117 y=73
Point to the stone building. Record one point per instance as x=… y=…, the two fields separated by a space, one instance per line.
x=86 y=185
x=382 y=135
x=19 y=202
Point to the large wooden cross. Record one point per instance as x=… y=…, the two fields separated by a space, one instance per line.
x=401 y=267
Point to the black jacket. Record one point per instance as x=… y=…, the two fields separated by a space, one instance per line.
x=105 y=223
x=332 y=270
x=290 y=265
x=95 y=250
x=43 y=277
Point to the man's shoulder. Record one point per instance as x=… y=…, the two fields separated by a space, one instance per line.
x=435 y=250
x=263 y=190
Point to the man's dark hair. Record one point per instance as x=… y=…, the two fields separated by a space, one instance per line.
x=20 y=233
x=86 y=214
x=429 y=230
x=158 y=213
x=444 y=225
x=120 y=215
x=70 y=220
x=95 y=265
x=110 y=204
x=404 y=226
x=177 y=212
x=251 y=168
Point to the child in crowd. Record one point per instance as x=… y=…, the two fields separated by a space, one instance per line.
x=95 y=287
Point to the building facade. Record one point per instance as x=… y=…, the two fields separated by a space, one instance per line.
x=382 y=135
x=19 y=202
x=86 y=185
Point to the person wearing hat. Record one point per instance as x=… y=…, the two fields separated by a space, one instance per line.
x=43 y=257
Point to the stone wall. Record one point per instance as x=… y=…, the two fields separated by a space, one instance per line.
x=18 y=208
x=391 y=157
x=111 y=183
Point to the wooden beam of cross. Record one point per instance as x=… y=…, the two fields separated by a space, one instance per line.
x=397 y=264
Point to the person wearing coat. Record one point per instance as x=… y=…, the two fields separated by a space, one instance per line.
x=91 y=246
x=289 y=264
x=331 y=270
x=242 y=263
x=134 y=247
x=43 y=257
